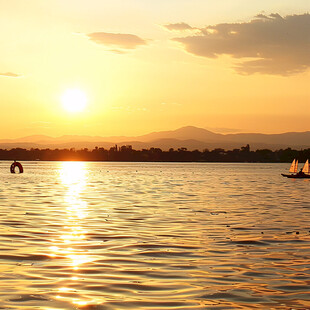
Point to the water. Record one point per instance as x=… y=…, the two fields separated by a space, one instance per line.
x=153 y=236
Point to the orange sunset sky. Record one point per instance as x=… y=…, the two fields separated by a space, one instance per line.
x=129 y=67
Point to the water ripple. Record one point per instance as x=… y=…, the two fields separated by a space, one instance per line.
x=101 y=236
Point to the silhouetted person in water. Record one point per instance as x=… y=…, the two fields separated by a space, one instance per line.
x=300 y=172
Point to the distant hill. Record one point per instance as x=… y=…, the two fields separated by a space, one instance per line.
x=190 y=137
x=184 y=133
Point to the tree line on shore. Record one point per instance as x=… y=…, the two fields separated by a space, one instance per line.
x=127 y=153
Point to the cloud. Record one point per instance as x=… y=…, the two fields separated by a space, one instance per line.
x=10 y=74
x=118 y=40
x=268 y=44
x=179 y=27
x=116 y=51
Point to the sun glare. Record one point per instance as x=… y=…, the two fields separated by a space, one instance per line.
x=74 y=100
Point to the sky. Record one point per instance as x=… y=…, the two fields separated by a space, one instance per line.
x=145 y=65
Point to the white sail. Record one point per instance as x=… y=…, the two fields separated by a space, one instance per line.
x=305 y=169
x=292 y=169
x=296 y=166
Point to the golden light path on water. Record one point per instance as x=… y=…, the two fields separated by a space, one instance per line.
x=73 y=176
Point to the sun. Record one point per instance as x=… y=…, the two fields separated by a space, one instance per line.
x=74 y=100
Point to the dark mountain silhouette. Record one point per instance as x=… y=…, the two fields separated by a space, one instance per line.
x=190 y=137
x=184 y=133
x=289 y=138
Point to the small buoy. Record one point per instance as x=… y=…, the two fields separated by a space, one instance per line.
x=16 y=164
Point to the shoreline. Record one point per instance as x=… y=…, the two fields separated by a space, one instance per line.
x=126 y=153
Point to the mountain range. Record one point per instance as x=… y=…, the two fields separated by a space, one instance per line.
x=189 y=137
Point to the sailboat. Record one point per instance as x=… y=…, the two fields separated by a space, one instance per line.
x=304 y=173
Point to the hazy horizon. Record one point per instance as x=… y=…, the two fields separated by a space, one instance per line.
x=190 y=137
x=220 y=131
x=223 y=131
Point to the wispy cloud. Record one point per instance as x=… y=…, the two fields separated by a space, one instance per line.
x=117 y=40
x=267 y=44
x=10 y=74
x=178 y=27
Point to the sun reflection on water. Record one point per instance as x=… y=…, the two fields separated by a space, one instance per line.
x=73 y=176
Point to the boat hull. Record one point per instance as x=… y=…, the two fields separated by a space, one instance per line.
x=296 y=176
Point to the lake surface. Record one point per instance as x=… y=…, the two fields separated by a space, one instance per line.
x=110 y=235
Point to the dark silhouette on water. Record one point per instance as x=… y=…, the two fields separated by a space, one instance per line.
x=302 y=174
x=299 y=175
x=18 y=165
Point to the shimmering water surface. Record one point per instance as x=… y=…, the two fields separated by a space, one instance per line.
x=153 y=236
